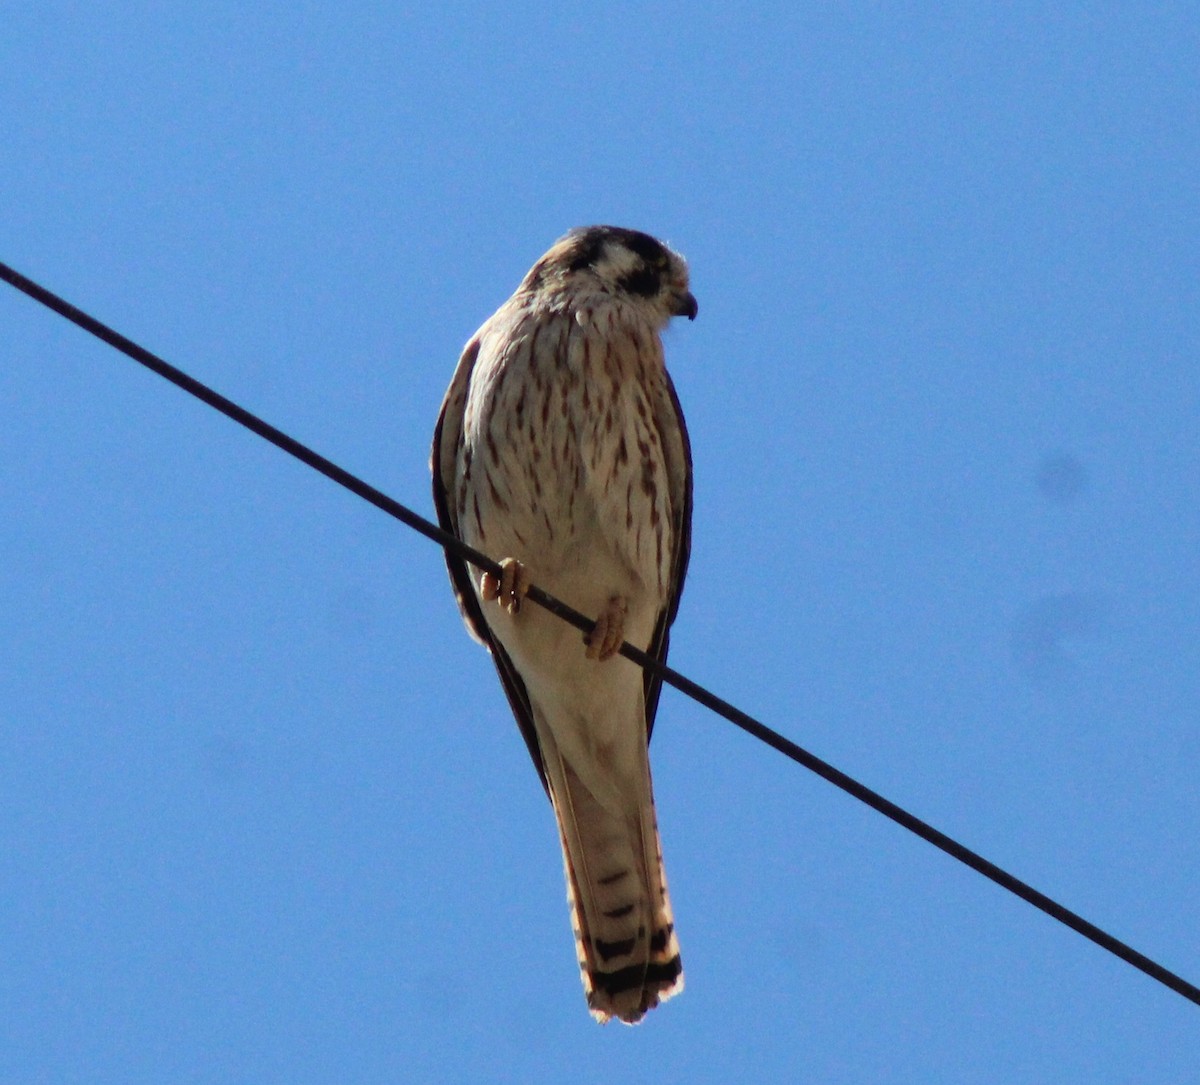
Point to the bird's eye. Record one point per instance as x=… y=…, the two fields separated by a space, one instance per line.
x=660 y=262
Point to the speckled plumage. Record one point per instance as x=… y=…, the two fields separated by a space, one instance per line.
x=561 y=444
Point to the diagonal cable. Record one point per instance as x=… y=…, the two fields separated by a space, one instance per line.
x=672 y=677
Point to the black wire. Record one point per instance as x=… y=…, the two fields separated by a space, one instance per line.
x=672 y=677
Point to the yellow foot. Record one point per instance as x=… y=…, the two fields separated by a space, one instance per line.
x=510 y=587
x=606 y=636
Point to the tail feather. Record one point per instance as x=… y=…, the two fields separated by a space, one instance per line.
x=617 y=890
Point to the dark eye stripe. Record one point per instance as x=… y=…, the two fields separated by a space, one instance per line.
x=643 y=281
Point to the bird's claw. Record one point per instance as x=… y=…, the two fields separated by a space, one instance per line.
x=509 y=588
x=608 y=634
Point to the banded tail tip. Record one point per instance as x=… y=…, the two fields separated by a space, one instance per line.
x=628 y=993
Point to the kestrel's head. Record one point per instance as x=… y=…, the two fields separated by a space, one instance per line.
x=622 y=262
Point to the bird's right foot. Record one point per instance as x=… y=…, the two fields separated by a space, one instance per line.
x=509 y=588
x=606 y=637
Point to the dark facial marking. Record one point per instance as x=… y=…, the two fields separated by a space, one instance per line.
x=590 y=240
x=643 y=282
x=644 y=245
x=588 y=246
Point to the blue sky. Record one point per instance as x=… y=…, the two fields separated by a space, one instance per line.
x=264 y=815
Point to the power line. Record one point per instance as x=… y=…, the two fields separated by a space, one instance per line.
x=672 y=677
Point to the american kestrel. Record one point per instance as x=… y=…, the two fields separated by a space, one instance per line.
x=561 y=449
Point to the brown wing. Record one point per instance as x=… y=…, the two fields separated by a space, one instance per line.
x=447 y=436
x=677 y=448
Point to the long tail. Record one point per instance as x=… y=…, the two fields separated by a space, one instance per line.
x=617 y=890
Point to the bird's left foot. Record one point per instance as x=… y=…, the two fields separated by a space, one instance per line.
x=510 y=587
x=607 y=635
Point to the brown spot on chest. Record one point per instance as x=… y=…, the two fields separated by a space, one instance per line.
x=649 y=478
x=497 y=500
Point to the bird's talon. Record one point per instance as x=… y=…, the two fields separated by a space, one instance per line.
x=509 y=588
x=608 y=634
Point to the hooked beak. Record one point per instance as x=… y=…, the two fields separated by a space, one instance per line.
x=686 y=306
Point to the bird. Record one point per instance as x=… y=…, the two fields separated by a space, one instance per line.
x=561 y=450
